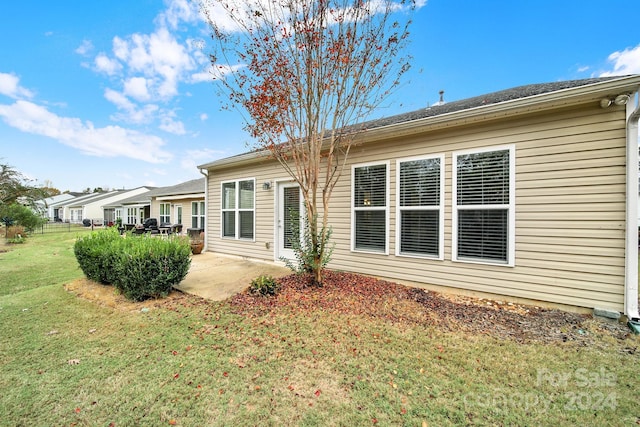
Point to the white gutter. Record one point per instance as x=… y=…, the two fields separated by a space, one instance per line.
x=631 y=250
x=206 y=206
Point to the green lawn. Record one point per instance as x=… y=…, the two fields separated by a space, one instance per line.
x=67 y=361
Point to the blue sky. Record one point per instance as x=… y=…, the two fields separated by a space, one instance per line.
x=117 y=94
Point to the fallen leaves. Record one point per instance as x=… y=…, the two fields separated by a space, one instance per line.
x=353 y=294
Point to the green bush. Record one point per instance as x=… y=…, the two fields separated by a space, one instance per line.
x=264 y=285
x=94 y=253
x=140 y=267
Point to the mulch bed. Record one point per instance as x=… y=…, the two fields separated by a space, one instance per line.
x=347 y=293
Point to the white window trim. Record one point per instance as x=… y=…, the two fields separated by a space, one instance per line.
x=167 y=212
x=200 y=217
x=511 y=238
x=175 y=212
x=237 y=210
x=439 y=208
x=387 y=163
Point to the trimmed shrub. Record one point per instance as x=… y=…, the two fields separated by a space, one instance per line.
x=94 y=254
x=148 y=267
x=140 y=267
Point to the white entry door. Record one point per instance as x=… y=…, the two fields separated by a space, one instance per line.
x=289 y=219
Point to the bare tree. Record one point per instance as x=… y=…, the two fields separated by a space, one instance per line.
x=306 y=72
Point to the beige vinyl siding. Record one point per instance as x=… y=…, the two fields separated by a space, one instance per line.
x=186 y=210
x=569 y=207
x=264 y=210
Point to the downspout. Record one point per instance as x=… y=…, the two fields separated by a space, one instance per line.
x=631 y=259
x=206 y=206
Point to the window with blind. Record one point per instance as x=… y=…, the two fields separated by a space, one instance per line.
x=165 y=216
x=483 y=204
x=420 y=207
x=238 y=209
x=370 y=207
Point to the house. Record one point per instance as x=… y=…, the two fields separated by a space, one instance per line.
x=528 y=193
x=181 y=204
x=177 y=204
x=134 y=209
x=110 y=212
x=97 y=207
x=45 y=207
x=73 y=210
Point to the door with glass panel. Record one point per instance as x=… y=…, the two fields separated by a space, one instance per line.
x=289 y=219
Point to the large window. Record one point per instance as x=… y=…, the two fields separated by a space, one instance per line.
x=370 y=201
x=197 y=215
x=165 y=213
x=420 y=207
x=483 y=205
x=238 y=209
x=132 y=215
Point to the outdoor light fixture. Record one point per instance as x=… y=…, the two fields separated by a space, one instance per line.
x=266 y=185
x=621 y=99
x=605 y=102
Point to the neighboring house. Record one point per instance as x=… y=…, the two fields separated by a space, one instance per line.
x=111 y=210
x=180 y=204
x=97 y=207
x=523 y=193
x=135 y=209
x=45 y=207
x=73 y=210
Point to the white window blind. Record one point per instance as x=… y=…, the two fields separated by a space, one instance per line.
x=370 y=208
x=420 y=207
x=484 y=206
x=292 y=216
x=228 y=209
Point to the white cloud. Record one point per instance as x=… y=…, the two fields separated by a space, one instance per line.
x=109 y=141
x=9 y=86
x=150 y=67
x=204 y=117
x=130 y=112
x=106 y=65
x=193 y=158
x=84 y=48
x=178 y=11
x=141 y=115
x=243 y=10
x=158 y=57
x=168 y=124
x=137 y=88
x=625 y=62
x=216 y=72
x=117 y=98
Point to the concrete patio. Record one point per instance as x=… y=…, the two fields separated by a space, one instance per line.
x=218 y=277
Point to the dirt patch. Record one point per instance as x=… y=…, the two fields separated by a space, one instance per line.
x=108 y=296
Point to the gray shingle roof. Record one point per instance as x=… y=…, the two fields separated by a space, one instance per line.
x=512 y=94
x=483 y=100
x=188 y=187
